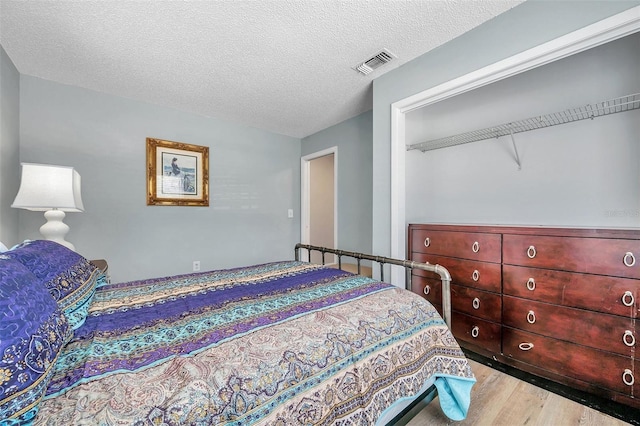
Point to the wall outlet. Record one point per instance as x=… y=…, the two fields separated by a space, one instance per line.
x=196 y=265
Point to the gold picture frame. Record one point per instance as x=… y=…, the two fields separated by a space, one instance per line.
x=177 y=174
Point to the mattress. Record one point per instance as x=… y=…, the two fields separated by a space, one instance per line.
x=283 y=343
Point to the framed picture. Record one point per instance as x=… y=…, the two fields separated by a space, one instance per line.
x=177 y=174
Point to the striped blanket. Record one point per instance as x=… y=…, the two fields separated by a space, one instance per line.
x=287 y=343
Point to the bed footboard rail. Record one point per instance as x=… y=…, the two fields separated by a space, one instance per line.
x=409 y=265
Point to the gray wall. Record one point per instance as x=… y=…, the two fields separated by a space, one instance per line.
x=254 y=180
x=584 y=173
x=9 y=148
x=353 y=139
x=525 y=26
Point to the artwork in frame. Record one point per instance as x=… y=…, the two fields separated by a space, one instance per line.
x=177 y=174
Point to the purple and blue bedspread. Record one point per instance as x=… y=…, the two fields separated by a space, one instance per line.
x=285 y=343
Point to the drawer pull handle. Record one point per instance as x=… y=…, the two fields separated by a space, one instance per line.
x=475 y=247
x=427 y=290
x=476 y=275
x=531 y=284
x=628 y=338
x=427 y=242
x=627 y=377
x=476 y=303
x=629 y=259
x=628 y=299
x=475 y=331
x=525 y=346
x=531 y=317
x=531 y=252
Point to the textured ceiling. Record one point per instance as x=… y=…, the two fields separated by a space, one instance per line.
x=279 y=65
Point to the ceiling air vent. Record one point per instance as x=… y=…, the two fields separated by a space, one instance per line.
x=374 y=62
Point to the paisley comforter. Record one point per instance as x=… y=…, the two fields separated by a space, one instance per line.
x=287 y=343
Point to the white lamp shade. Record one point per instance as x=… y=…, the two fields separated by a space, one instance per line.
x=44 y=187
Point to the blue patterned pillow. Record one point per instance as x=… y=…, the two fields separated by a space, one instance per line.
x=70 y=278
x=33 y=330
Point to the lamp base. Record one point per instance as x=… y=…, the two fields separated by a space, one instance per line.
x=55 y=229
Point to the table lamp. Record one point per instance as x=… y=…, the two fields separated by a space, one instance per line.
x=53 y=190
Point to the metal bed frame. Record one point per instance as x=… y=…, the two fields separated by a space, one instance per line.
x=409 y=265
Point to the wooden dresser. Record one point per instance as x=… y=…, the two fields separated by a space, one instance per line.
x=560 y=303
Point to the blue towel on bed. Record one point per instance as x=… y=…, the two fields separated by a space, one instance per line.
x=455 y=396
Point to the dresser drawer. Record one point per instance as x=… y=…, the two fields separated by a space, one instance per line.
x=607 y=332
x=601 y=256
x=590 y=365
x=430 y=289
x=478 y=303
x=464 y=245
x=476 y=331
x=483 y=275
x=618 y=296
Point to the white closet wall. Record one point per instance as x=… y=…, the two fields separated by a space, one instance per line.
x=585 y=173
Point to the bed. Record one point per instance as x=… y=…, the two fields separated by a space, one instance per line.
x=281 y=343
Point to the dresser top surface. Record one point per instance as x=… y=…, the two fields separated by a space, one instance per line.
x=584 y=232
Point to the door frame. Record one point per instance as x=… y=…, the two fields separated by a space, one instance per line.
x=305 y=199
x=601 y=32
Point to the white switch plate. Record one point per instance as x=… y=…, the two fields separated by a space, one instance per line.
x=196 y=265
x=290 y=213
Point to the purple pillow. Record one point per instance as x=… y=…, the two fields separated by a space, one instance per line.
x=33 y=330
x=70 y=278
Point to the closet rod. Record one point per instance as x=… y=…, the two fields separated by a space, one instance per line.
x=600 y=109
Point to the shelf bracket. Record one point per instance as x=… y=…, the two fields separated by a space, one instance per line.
x=515 y=150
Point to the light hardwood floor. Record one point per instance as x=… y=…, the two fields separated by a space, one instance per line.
x=500 y=399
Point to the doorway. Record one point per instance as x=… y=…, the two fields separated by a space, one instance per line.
x=319 y=224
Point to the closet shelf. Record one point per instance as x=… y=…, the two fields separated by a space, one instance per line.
x=612 y=106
